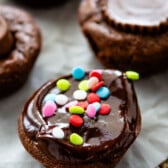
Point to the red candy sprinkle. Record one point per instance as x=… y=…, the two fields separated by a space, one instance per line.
x=97 y=74
x=93 y=97
x=82 y=104
x=76 y=120
x=97 y=86
x=104 y=109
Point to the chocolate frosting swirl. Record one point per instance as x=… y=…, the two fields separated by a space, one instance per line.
x=103 y=136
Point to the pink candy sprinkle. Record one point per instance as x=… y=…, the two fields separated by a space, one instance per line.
x=92 y=81
x=70 y=104
x=49 y=109
x=91 y=111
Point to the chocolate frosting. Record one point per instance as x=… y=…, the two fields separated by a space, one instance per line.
x=108 y=135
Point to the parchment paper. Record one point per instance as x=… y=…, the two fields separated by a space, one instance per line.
x=64 y=47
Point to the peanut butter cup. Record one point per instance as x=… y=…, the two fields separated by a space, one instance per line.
x=127 y=34
x=86 y=119
x=20 y=42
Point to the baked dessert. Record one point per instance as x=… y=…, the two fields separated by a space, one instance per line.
x=127 y=34
x=42 y=3
x=86 y=119
x=20 y=42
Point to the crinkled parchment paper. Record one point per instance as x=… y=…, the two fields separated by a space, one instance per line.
x=64 y=47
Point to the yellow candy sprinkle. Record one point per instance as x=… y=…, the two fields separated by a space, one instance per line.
x=132 y=75
x=76 y=139
x=83 y=85
x=63 y=84
x=76 y=110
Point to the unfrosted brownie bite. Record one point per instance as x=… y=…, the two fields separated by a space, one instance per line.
x=127 y=34
x=20 y=44
x=86 y=119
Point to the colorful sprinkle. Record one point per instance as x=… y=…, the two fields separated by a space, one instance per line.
x=82 y=104
x=83 y=85
x=70 y=104
x=76 y=110
x=104 y=109
x=61 y=99
x=93 y=97
x=78 y=73
x=91 y=111
x=92 y=81
x=49 y=97
x=132 y=75
x=97 y=106
x=63 y=84
x=97 y=86
x=96 y=73
x=76 y=120
x=49 y=109
x=76 y=139
x=103 y=92
x=80 y=94
x=58 y=133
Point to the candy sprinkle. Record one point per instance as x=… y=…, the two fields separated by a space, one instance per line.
x=80 y=94
x=49 y=97
x=91 y=111
x=76 y=120
x=104 y=109
x=132 y=75
x=49 y=109
x=63 y=84
x=93 y=97
x=76 y=110
x=92 y=81
x=103 y=92
x=96 y=73
x=83 y=85
x=76 y=139
x=78 y=73
x=58 y=133
x=61 y=99
x=97 y=106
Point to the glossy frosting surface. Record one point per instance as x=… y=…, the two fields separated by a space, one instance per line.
x=103 y=133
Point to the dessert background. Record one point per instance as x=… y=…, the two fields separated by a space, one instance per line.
x=65 y=47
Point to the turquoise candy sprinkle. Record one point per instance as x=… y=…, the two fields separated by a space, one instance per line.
x=103 y=92
x=78 y=73
x=50 y=97
x=132 y=75
x=97 y=106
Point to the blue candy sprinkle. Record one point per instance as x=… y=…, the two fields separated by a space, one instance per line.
x=78 y=73
x=49 y=97
x=103 y=92
x=97 y=106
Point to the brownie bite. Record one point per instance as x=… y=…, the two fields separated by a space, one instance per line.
x=20 y=41
x=86 y=119
x=127 y=34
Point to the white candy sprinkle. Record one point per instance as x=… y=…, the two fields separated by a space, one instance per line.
x=61 y=99
x=58 y=133
x=80 y=94
x=92 y=81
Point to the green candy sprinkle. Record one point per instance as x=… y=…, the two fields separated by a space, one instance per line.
x=83 y=85
x=76 y=139
x=76 y=110
x=63 y=84
x=132 y=75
